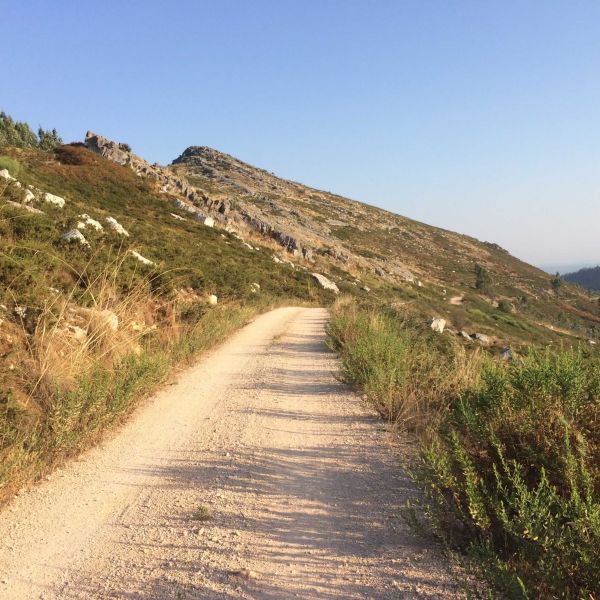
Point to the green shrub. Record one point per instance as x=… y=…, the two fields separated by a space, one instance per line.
x=407 y=371
x=13 y=166
x=514 y=475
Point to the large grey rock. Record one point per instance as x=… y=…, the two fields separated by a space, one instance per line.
x=74 y=235
x=326 y=283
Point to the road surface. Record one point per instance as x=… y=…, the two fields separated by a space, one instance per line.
x=302 y=480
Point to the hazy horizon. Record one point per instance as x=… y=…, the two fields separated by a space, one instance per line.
x=477 y=118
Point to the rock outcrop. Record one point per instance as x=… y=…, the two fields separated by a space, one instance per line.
x=166 y=180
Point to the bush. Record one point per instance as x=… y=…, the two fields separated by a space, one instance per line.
x=13 y=166
x=510 y=459
x=407 y=371
x=514 y=475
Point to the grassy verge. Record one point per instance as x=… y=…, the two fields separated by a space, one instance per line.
x=509 y=463
x=69 y=418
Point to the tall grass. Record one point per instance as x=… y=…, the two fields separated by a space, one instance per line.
x=510 y=453
x=407 y=372
x=83 y=365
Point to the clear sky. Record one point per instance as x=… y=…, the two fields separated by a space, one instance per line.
x=480 y=117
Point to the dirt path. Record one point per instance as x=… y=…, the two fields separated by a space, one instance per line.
x=301 y=477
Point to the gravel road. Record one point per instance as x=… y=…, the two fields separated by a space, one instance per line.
x=302 y=480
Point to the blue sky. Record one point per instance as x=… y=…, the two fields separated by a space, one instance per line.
x=481 y=117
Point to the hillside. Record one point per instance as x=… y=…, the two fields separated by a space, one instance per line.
x=107 y=256
x=402 y=262
x=588 y=278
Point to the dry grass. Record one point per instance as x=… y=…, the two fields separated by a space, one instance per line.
x=409 y=373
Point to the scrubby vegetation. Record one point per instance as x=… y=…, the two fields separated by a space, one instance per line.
x=509 y=462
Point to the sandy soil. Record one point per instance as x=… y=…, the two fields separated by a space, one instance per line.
x=302 y=479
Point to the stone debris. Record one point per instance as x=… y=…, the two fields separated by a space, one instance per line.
x=212 y=300
x=116 y=226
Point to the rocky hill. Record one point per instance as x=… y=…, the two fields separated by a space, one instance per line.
x=401 y=261
x=370 y=251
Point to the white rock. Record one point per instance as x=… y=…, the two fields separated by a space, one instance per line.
x=366 y=288
x=28 y=197
x=87 y=220
x=74 y=235
x=326 y=283
x=116 y=226
x=254 y=287
x=438 y=325
x=26 y=207
x=6 y=175
x=177 y=217
x=52 y=199
x=141 y=258
x=212 y=300
x=209 y=222
x=190 y=208
x=276 y=259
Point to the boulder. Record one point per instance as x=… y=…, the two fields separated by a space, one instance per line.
x=212 y=300
x=482 y=338
x=438 y=325
x=52 y=199
x=116 y=226
x=463 y=334
x=6 y=175
x=86 y=221
x=28 y=197
x=74 y=235
x=209 y=221
x=326 y=283
x=26 y=207
x=506 y=353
